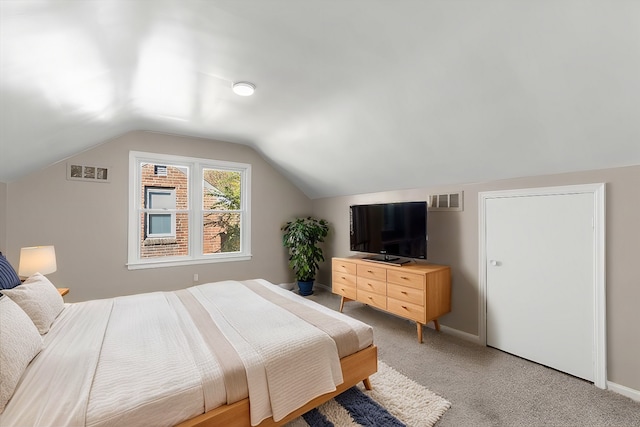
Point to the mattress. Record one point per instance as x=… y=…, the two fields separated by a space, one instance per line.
x=165 y=357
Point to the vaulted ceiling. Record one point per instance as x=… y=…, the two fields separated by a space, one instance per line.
x=352 y=96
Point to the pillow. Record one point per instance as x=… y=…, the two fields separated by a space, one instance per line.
x=39 y=299
x=8 y=276
x=20 y=342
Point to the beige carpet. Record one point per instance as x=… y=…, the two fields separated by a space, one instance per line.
x=409 y=402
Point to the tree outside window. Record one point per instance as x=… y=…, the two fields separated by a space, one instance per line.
x=221 y=210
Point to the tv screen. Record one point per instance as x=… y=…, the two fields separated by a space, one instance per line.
x=390 y=230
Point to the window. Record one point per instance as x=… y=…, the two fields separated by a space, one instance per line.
x=185 y=210
x=160 y=224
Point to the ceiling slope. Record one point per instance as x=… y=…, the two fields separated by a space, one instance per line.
x=352 y=96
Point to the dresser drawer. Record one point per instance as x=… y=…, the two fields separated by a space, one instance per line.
x=344 y=284
x=374 y=300
x=372 y=272
x=406 y=309
x=371 y=285
x=405 y=293
x=344 y=278
x=406 y=278
x=343 y=266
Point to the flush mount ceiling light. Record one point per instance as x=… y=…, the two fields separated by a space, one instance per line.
x=244 y=88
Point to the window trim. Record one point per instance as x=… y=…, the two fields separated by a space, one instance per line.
x=195 y=195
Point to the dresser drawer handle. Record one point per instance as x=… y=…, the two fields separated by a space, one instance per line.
x=403 y=292
x=370 y=298
x=404 y=277
x=369 y=271
x=405 y=307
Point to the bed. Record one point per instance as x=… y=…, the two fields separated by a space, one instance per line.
x=230 y=353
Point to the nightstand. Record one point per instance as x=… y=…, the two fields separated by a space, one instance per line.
x=63 y=291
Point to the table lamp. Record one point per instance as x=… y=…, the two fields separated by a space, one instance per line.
x=37 y=259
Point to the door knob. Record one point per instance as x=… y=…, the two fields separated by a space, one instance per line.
x=494 y=262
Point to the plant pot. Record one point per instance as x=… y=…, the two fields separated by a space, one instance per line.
x=305 y=288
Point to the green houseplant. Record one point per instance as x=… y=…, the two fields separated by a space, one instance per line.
x=301 y=237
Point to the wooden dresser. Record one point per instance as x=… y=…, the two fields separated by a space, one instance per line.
x=419 y=292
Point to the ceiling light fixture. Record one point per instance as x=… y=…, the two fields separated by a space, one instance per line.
x=244 y=88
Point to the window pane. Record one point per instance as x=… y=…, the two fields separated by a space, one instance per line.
x=221 y=189
x=159 y=199
x=159 y=223
x=221 y=232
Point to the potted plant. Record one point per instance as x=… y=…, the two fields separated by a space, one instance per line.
x=301 y=237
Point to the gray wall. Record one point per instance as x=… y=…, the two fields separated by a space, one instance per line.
x=453 y=240
x=87 y=222
x=3 y=217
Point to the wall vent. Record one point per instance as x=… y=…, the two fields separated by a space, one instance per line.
x=160 y=170
x=446 y=202
x=77 y=172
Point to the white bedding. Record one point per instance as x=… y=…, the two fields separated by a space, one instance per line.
x=152 y=359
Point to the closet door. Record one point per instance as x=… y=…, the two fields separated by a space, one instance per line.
x=540 y=279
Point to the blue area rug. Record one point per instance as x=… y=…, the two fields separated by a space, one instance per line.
x=363 y=410
x=395 y=401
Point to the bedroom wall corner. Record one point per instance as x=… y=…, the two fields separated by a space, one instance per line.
x=3 y=217
x=87 y=222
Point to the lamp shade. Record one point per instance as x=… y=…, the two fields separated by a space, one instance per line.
x=37 y=259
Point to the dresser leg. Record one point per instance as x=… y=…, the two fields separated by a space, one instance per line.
x=341 y=304
x=367 y=383
x=419 y=325
x=436 y=324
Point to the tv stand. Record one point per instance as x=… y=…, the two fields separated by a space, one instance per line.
x=386 y=259
x=418 y=292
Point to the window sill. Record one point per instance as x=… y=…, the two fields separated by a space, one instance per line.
x=157 y=241
x=141 y=265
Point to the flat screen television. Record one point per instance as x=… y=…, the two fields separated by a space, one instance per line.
x=390 y=230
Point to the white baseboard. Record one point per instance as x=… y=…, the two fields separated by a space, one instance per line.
x=457 y=333
x=460 y=334
x=625 y=391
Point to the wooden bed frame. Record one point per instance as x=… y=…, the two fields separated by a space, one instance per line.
x=355 y=368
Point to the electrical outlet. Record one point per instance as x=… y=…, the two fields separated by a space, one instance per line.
x=195 y=277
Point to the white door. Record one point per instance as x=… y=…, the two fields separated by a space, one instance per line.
x=540 y=279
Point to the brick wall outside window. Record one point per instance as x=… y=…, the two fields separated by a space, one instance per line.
x=166 y=246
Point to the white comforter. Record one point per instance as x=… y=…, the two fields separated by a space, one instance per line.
x=153 y=359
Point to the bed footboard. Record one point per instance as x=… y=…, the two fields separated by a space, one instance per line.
x=355 y=368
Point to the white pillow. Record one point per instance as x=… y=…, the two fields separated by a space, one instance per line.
x=20 y=342
x=39 y=299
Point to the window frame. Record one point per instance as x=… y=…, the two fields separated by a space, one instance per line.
x=149 y=211
x=195 y=211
